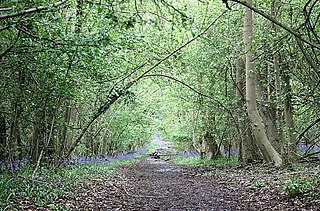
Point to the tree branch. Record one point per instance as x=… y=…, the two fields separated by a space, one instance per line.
x=115 y=94
x=180 y=82
x=305 y=130
x=10 y=47
x=5 y=9
x=182 y=46
x=275 y=21
x=194 y=90
x=32 y=10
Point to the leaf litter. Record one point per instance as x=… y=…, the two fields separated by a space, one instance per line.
x=154 y=184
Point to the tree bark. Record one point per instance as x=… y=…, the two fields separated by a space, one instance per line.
x=3 y=136
x=277 y=80
x=246 y=149
x=288 y=116
x=268 y=152
x=64 y=133
x=34 y=148
x=268 y=109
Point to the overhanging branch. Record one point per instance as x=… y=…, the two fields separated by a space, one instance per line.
x=194 y=90
x=32 y=10
x=180 y=82
x=114 y=95
x=275 y=21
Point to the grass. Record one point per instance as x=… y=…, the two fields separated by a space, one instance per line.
x=19 y=192
x=196 y=161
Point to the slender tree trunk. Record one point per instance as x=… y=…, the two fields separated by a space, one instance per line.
x=34 y=148
x=194 y=136
x=3 y=137
x=268 y=152
x=277 y=81
x=64 y=132
x=288 y=116
x=213 y=145
x=104 y=143
x=12 y=144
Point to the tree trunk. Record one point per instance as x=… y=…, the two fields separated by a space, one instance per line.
x=268 y=152
x=246 y=150
x=3 y=137
x=268 y=110
x=34 y=148
x=12 y=144
x=66 y=121
x=288 y=116
x=277 y=82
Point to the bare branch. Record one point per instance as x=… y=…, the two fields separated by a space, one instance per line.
x=32 y=10
x=35 y=36
x=5 y=9
x=305 y=130
x=175 y=9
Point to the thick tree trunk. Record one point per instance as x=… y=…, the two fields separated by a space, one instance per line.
x=268 y=152
x=246 y=151
x=268 y=110
x=213 y=146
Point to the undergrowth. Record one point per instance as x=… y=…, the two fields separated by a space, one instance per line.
x=19 y=192
x=196 y=161
x=303 y=185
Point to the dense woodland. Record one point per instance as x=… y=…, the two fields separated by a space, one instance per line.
x=219 y=78
x=96 y=78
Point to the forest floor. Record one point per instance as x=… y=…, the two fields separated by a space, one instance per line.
x=159 y=184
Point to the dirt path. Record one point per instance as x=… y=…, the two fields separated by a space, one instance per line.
x=159 y=185
x=155 y=184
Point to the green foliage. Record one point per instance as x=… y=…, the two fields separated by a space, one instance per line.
x=59 y=67
x=196 y=161
x=182 y=142
x=208 y=174
x=301 y=185
x=51 y=183
x=17 y=186
x=18 y=190
x=259 y=185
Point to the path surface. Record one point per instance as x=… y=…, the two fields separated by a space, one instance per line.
x=155 y=184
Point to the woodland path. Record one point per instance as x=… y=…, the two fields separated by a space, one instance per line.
x=155 y=184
